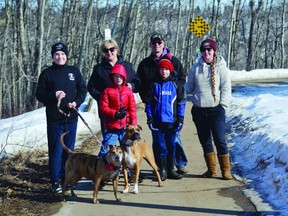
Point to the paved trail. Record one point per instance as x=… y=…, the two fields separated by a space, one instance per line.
x=191 y=195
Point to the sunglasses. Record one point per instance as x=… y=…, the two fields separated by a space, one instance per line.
x=204 y=49
x=112 y=49
x=157 y=42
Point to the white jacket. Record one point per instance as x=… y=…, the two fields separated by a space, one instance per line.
x=200 y=86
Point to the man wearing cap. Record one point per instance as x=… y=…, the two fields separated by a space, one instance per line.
x=61 y=89
x=148 y=74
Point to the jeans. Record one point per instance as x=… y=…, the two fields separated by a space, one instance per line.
x=110 y=138
x=210 y=122
x=57 y=156
x=180 y=156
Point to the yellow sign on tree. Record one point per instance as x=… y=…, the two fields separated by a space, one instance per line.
x=198 y=26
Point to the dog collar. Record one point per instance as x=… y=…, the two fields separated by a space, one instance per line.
x=108 y=165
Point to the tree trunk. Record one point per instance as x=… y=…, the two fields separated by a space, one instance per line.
x=38 y=48
x=282 y=35
x=178 y=27
x=134 y=35
x=254 y=14
x=267 y=36
x=4 y=62
x=84 y=39
x=232 y=35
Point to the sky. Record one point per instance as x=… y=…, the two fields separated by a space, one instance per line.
x=257 y=126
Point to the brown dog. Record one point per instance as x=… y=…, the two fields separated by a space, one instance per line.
x=134 y=150
x=91 y=167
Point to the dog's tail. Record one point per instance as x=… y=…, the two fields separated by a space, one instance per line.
x=69 y=151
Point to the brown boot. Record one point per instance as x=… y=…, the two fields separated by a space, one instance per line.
x=210 y=159
x=224 y=162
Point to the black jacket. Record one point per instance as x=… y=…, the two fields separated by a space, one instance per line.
x=66 y=78
x=148 y=72
x=100 y=80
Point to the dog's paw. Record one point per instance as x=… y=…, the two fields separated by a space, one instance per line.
x=125 y=191
x=119 y=199
x=63 y=199
x=95 y=201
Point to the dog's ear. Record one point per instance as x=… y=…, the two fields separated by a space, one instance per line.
x=110 y=147
x=127 y=125
x=139 y=126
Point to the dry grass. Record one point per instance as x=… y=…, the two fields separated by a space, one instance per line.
x=25 y=185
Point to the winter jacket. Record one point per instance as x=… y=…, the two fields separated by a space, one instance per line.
x=148 y=72
x=61 y=77
x=114 y=98
x=99 y=79
x=166 y=101
x=200 y=86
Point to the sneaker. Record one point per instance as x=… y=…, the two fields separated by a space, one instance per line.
x=56 y=188
x=181 y=170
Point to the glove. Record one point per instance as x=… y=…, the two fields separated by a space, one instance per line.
x=180 y=120
x=180 y=125
x=152 y=128
x=149 y=120
x=150 y=124
x=121 y=113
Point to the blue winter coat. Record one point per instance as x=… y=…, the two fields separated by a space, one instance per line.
x=166 y=101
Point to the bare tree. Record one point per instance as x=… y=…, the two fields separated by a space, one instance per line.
x=38 y=47
x=232 y=30
x=254 y=14
x=282 y=35
x=178 y=26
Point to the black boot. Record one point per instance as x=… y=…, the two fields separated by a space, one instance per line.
x=172 y=174
x=163 y=168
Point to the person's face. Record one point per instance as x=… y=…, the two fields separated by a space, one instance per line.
x=59 y=58
x=118 y=79
x=157 y=46
x=110 y=52
x=208 y=54
x=164 y=72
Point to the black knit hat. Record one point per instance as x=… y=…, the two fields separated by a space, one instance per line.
x=59 y=47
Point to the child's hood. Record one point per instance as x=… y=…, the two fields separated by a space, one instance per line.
x=120 y=70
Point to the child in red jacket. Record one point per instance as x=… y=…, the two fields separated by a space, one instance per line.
x=118 y=108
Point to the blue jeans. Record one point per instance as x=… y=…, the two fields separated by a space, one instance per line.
x=210 y=122
x=57 y=156
x=180 y=156
x=167 y=145
x=110 y=138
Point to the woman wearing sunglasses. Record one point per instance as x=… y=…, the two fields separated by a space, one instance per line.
x=100 y=80
x=210 y=86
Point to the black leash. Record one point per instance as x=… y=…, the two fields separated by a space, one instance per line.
x=97 y=139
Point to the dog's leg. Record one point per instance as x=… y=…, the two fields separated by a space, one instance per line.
x=63 y=196
x=149 y=157
x=137 y=173
x=97 y=181
x=115 y=187
x=125 y=174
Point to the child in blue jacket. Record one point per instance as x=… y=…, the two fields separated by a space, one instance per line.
x=165 y=107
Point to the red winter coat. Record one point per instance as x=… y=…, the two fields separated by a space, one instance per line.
x=115 y=97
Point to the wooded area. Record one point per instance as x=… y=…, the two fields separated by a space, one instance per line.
x=250 y=34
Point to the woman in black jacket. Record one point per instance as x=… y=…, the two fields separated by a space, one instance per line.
x=100 y=80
